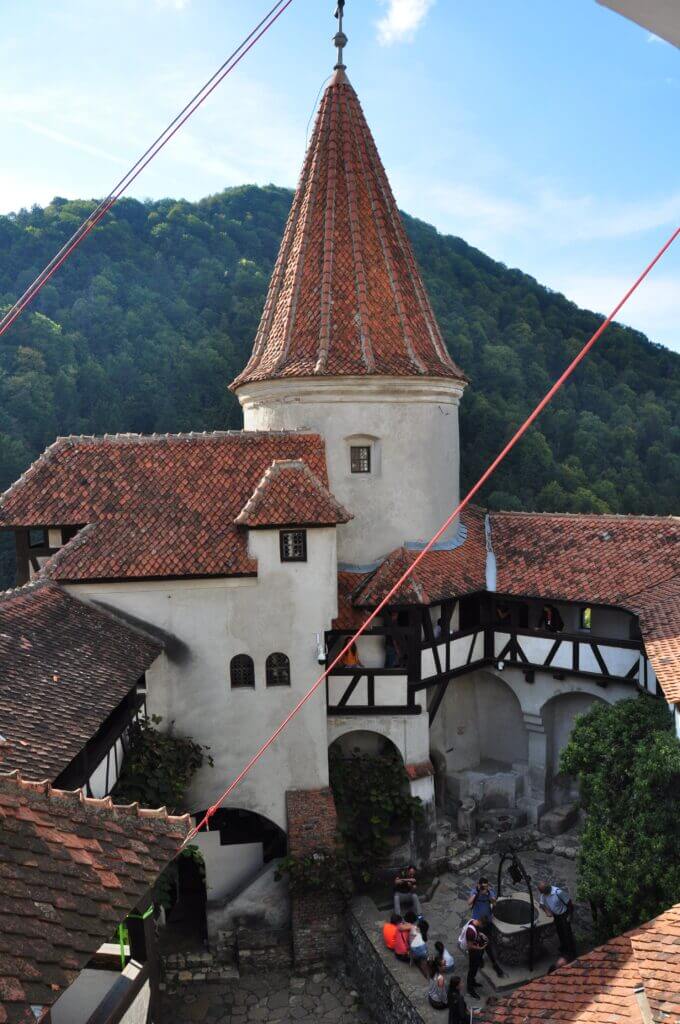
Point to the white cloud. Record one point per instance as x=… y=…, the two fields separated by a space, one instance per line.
x=174 y=5
x=402 y=20
x=651 y=38
x=654 y=309
x=545 y=211
x=67 y=140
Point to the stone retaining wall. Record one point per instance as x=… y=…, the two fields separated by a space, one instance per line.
x=369 y=967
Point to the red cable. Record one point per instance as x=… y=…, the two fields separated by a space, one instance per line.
x=442 y=529
x=93 y=219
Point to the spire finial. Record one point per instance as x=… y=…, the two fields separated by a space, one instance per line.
x=340 y=39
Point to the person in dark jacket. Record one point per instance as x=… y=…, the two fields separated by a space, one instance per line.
x=458 y=1011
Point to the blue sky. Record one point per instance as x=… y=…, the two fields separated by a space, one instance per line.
x=546 y=132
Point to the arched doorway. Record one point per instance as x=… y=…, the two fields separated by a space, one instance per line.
x=363 y=741
x=481 y=735
x=372 y=797
x=236 y=847
x=559 y=715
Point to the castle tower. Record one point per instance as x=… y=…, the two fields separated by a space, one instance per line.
x=349 y=346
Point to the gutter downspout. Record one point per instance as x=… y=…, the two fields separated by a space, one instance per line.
x=490 y=556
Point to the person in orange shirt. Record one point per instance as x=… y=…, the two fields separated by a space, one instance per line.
x=390 y=930
x=351 y=658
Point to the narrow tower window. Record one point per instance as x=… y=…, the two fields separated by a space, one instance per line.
x=586 y=618
x=293 y=545
x=360 y=458
x=278 y=670
x=242 y=671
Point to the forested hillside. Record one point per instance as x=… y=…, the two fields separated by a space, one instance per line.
x=146 y=325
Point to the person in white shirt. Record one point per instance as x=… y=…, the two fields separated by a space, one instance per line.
x=444 y=958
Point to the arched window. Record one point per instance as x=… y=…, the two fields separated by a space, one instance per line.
x=242 y=671
x=278 y=670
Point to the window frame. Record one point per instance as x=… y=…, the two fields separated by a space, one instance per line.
x=44 y=542
x=242 y=656
x=285 y=557
x=354 y=467
x=271 y=669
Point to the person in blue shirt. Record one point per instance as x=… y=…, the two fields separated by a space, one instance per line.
x=557 y=904
x=482 y=899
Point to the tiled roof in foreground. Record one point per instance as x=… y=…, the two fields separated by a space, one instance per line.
x=157 y=507
x=289 y=494
x=346 y=297
x=71 y=869
x=64 y=668
x=599 y=988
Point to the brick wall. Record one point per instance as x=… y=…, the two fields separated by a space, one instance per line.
x=317 y=918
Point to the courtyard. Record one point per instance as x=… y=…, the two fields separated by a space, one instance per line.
x=330 y=995
x=275 y=997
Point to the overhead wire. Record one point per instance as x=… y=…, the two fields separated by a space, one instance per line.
x=505 y=451
x=144 y=160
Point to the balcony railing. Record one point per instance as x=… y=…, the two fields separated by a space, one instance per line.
x=371 y=689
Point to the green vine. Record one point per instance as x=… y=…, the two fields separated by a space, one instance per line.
x=158 y=766
x=167 y=884
x=320 y=871
x=374 y=804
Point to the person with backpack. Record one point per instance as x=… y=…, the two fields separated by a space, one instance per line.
x=558 y=905
x=481 y=901
x=474 y=942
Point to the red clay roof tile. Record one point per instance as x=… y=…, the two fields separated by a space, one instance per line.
x=289 y=494
x=346 y=297
x=56 y=906
x=97 y=659
x=159 y=507
x=599 y=988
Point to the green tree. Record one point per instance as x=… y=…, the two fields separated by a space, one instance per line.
x=158 y=766
x=146 y=326
x=627 y=760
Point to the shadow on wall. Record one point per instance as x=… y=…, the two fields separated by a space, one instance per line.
x=559 y=715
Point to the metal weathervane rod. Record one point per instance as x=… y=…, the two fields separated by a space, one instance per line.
x=340 y=38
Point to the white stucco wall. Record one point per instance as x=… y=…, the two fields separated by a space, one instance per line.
x=498 y=716
x=79 y=1001
x=409 y=733
x=228 y=867
x=413 y=424
x=212 y=620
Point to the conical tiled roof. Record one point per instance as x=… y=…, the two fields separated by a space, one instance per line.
x=346 y=297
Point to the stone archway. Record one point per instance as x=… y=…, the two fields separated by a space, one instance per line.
x=558 y=715
x=364 y=741
x=482 y=730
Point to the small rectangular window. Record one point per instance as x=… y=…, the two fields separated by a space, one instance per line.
x=586 y=618
x=293 y=545
x=360 y=458
x=37 y=538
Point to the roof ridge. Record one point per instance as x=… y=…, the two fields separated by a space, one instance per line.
x=582 y=515
x=279 y=466
x=77 y=798
x=37 y=583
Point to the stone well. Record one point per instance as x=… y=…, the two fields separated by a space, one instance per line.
x=511 y=931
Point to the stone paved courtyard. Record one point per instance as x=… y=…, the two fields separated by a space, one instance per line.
x=448 y=908
x=276 y=998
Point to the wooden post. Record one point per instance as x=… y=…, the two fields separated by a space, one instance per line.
x=144 y=949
